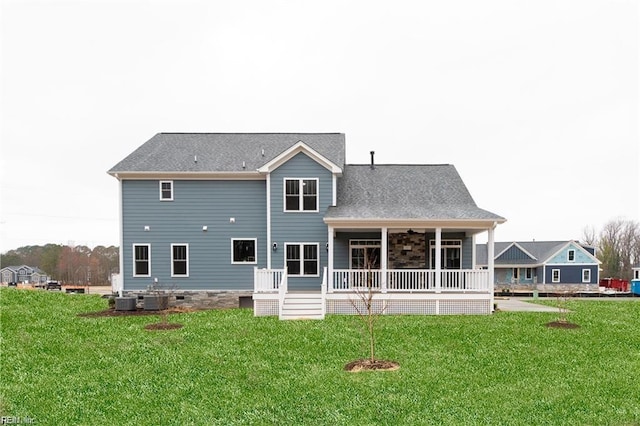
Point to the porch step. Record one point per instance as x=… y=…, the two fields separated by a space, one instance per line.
x=302 y=306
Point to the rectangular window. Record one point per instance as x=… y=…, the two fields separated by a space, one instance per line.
x=571 y=255
x=301 y=195
x=555 y=275
x=450 y=253
x=179 y=260
x=243 y=251
x=141 y=260
x=516 y=274
x=166 y=190
x=302 y=259
x=528 y=273
x=586 y=275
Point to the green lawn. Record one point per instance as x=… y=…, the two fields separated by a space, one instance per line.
x=227 y=367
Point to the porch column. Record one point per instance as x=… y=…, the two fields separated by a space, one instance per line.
x=385 y=257
x=438 y=260
x=330 y=259
x=490 y=262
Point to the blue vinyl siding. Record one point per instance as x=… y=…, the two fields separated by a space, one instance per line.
x=571 y=274
x=513 y=254
x=196 y=204
x=341 y=253
x=561 y=257
x=300 y=227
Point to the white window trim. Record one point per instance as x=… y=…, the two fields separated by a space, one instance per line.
x=553 y=278
x=588 y=280
x=160 y=188
x=528 y=273
x=133 y=258
x=255 y=248
x=363 y=243
x=569 y=257
x=445 y=243
x=302 y=259
x=300 y=195
x=172 y=260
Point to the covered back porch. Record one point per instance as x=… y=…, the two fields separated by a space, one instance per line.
x=415 y=268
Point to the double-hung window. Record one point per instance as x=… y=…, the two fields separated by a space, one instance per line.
x=301 y=195
x=302 y=259
x=555 y=275
x=141 y=260
x=243 y=251
x=179 y=260
x=166 y=190
x=586 y=275
x=571 y=255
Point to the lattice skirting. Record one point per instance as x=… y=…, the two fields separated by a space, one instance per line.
x=415 y=307
x=265 y=308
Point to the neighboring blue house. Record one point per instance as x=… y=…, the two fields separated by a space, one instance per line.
x=543 y=265
x=280 y=219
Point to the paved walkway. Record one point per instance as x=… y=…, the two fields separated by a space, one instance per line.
x=522 y=305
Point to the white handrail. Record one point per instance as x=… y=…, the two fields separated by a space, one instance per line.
x=412 y=280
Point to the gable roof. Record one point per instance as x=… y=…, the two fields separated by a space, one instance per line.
x=540 y=250
x=223 y=152
x=405 y=192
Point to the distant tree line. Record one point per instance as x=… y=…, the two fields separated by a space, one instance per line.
x=617 y=247
x=78 y=265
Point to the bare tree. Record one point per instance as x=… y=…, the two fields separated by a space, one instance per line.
x=619 y=248
x=366 y=306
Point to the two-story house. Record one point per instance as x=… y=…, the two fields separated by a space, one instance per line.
x=282 y=219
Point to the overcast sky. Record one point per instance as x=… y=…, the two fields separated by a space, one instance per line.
x=534 y=102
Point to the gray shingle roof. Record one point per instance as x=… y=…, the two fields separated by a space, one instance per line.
x=541 y=250
x=405 y=192
x=224 y=152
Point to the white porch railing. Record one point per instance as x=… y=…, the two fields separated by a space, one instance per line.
x=408 y=280
x=268 y=280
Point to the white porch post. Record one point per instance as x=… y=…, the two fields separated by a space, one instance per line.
x=490 y=262
x=384 y=261
x=268 y=221
x=330 y=259
x=438 y=260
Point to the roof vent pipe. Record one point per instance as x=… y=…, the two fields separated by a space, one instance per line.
x=372 y=162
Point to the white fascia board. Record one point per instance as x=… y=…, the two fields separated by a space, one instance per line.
x=252 y=175
x=295 y=150
x=480 y=225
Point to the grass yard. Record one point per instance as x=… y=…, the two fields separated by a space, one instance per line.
x=227 y=367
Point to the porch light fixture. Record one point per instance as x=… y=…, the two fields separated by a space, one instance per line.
x=327 y=246
x=147 y=228
x=275 y=246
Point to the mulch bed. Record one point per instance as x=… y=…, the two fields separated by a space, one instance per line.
x=368 y=365
x=562 y=324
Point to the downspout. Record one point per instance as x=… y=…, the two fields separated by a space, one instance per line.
x=121 y=251
x=491 y=263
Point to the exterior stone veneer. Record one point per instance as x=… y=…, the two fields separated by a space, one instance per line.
x=202 y=299
x=400 y=258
